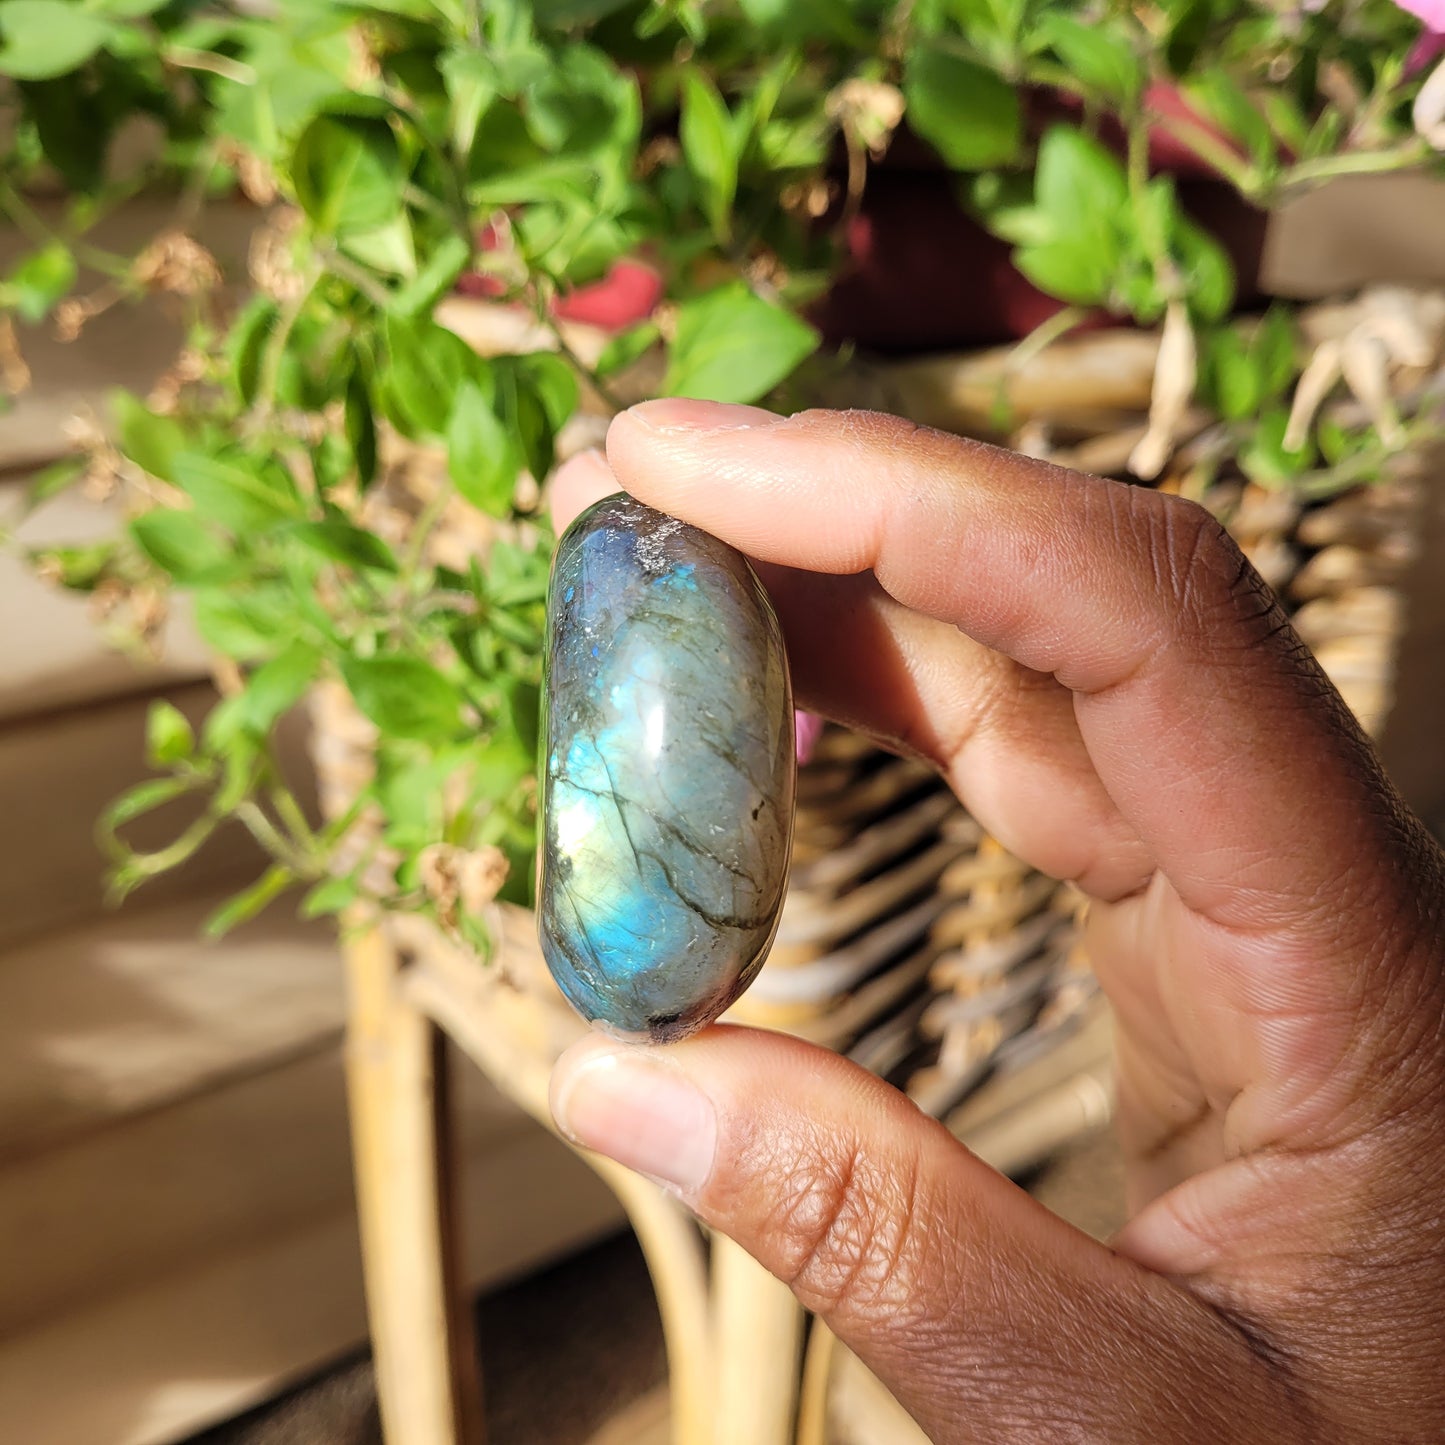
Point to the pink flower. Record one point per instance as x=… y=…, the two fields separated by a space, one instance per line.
x=1432 y=12
x=1432 y=40
x=1430 y=44
x=807 y=729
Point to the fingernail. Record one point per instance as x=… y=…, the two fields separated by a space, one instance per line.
x=642 y=1111
x=676 y=413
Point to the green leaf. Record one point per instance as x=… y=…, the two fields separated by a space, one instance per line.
x=514 y=575
x=1266 y=460
x=482 y=455
x=524 y=710
x=52 y=481
x=1337 y=442
x=348 y=173
x=731 y=345
x=1222 y=100
x=424 y=367
x=1076 y=245
x=1286 y=119
x=42 y=278
x=526 y=415
x=555 y=384
x=1233 y=375
x=1274 y=346
x=126 y=9
x=250 y=901
x=499 y=765
x=145 y=797
x=245 y=625
x=169 y=736
x=331 y=461
x=180 y=544
x=582 y=104
x=150 y=441
x=1099 y=56
x=275 y=688
x=968 y=114
x=1077 y=181
x=330 y=896
x=78 y=568
x=405 y=697
x=471 y=86
x=1324 y=136
x=46 y=38
x=437 y=276
x=1189 y=25
x=1207 y=271
x=389 y=249
x=625 y=348
x=566 y=13
x=1072 y=270
x=710 y=147
x=246 y=344
x=341 y=542
x=242 y=498
x=360 y=425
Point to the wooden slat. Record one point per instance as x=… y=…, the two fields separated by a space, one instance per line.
x=137 y=1011
x=55 y=653
x=396 y=1127
x=57 y=773
x=1354 y=231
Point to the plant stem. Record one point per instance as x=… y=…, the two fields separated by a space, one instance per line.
x=265 y=402
x=184 y=58
x=344 y=267
x=26 y=219
x=1215 y=152
x=164 y=859
x=1044 y=335
x=289 y=811
x=252 y=817
x=423 y=527
x=1354 y=163
x=609 y=397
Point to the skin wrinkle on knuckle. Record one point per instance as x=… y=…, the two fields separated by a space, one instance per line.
x=848 y=1230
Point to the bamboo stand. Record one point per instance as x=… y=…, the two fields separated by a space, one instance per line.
x=427 y=1381
x=739 y=1373
x=733 y=1333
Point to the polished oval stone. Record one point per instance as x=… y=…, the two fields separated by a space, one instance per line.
x=668 y=772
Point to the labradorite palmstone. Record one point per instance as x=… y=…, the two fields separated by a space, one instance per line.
x=667 y=772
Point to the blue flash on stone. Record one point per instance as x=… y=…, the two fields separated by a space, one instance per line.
x=668 y=789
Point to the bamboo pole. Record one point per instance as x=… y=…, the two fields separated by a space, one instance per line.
x=488 y=1028
x=817 y=1377
x=759 y=1332
x=391 y=1056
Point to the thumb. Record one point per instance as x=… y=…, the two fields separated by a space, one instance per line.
x=986 y=1315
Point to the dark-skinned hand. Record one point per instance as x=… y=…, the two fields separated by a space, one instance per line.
x=1117 y=697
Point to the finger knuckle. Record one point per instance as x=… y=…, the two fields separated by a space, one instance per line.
x=1198 y=573
x=846 y=1225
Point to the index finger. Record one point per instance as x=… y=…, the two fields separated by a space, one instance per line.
x=1218 y=738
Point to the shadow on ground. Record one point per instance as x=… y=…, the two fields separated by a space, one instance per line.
x=562 y=1352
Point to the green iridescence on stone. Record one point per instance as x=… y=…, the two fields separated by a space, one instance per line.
x=668 y=772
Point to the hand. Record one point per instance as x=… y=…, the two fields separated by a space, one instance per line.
x=1118 y=699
